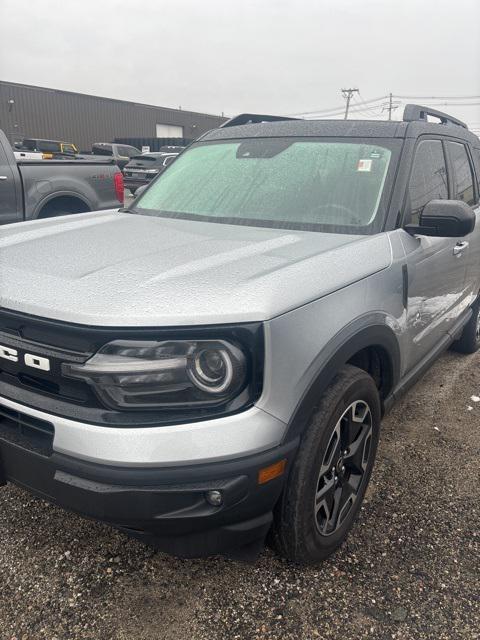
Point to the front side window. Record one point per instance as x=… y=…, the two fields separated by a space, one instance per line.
x=462 y=173
x=428 y=180
x=294 y=183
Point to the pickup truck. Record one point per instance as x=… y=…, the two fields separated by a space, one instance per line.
x=121 y=153
x=31 y=189
x=40 y=145
x=211 y=365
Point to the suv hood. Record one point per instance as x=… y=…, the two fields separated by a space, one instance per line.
x=118 y=269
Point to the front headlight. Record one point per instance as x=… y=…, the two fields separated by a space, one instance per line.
x=131 y=375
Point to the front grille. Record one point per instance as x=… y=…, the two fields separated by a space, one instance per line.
x=26 y=431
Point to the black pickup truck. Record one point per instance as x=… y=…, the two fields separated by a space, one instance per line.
x=31 y=189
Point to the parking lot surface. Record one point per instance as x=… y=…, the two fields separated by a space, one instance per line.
x=410 y=569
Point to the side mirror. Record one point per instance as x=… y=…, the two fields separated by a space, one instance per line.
x=444 y=219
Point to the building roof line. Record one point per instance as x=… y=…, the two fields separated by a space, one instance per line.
x=118 y=100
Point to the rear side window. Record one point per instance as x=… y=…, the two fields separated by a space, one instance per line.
x=428 y=180
x=462 y=173
x=102 y=151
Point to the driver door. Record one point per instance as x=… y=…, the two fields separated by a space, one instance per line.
x=436 y=267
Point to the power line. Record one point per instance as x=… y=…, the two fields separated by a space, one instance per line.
x=340 y=109
x=455 y=104
x=370 y=111
x=337 y=108
x=354 y=109
x=438 y=97
x=374 y=110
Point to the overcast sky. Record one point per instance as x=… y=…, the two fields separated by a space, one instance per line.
x=266 y=56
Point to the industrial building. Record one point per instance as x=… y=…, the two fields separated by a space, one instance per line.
x=29 y=111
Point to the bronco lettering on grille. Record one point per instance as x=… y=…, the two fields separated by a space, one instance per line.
x=30 y=360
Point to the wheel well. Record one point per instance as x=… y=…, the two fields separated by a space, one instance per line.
x=63 y=205
x=376 y=361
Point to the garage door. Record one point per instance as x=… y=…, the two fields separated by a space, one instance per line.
x=169 y=131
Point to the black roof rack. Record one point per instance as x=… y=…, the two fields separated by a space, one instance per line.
x=251 y=118
x=415 y=112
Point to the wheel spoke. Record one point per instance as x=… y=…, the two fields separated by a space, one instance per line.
x=337 y=502
x=353 y=482
x=332 y=451
x=347 y=501
x=323 y=493
x=323 y=504
x=358 y=451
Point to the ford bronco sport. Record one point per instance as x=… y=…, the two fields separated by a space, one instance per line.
x=212 y=364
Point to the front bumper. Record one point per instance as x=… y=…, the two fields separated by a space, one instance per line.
x=166 y=507
x=140 y=488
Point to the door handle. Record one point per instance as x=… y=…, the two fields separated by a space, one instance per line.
x=459 y=247
x=3 y=178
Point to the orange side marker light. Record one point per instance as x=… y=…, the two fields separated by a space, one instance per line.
x=273 y=471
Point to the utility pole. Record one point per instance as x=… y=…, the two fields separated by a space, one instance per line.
x=347 y=94
x=389 y=106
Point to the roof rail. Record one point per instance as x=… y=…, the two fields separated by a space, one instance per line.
x=415 y=112
x=251 y=118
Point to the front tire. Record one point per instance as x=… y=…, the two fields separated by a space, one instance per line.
x=331 y=472
x=469 y=341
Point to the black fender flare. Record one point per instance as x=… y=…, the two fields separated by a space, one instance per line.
x=370 y=336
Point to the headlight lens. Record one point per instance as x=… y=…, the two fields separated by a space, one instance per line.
x=147 y=375
x=212 y=370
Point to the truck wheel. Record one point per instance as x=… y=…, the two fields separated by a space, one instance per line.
x=469 y=341
x=332 y=469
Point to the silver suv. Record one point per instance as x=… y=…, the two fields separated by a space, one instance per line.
x=212 y=364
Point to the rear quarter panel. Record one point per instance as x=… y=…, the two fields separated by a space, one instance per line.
x=90 y=182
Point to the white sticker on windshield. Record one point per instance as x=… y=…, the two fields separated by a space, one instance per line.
x=364 y=165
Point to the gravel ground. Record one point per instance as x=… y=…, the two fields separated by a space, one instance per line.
x=410 y=569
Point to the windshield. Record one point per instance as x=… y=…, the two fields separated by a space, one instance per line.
x=308 y=183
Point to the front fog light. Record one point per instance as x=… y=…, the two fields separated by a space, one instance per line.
x=214 y=498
